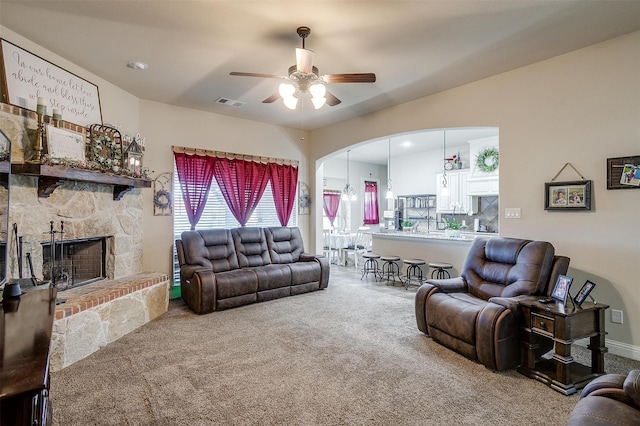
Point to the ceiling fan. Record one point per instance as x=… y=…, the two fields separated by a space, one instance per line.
x=304 y=77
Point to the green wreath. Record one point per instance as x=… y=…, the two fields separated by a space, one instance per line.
x=488 y=159
x=162 y=199
x=106 y=151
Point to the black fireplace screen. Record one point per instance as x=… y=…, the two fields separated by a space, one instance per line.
x=75 y=263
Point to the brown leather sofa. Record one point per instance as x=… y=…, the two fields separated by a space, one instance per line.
x=477 y=313
x=225 y=268
x=612 y=399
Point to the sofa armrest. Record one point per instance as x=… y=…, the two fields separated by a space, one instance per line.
x=198 y=288
x=422 y=295
x=450 y=285
x=512 y=303
x=324 y=266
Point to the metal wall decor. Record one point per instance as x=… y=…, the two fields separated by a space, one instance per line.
x=304 y=198
x=105 y=147
x=163 y=195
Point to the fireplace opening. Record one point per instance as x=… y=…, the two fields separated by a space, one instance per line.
x=74 y=262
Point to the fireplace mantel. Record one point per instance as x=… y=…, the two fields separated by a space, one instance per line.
x=51 y=177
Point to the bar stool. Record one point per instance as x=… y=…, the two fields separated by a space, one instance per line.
x=413 y=271
x=371 y=265
x=390 y=268
x=440 y=269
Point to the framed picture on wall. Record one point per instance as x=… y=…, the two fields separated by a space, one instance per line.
x=573 y=195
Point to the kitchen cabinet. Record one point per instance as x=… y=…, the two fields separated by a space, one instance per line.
x=458 y=196
x=488 y=186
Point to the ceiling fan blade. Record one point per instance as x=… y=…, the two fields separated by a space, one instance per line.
x=253 y=74
x=272 y=98
x=331 y=99
x=304 y=60
x=350 y=78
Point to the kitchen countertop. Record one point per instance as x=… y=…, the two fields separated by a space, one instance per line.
x=433 y=235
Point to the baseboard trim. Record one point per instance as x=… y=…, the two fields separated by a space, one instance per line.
x=617 y=348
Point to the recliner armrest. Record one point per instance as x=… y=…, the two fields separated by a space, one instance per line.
x=511 y=303
x=450 y=285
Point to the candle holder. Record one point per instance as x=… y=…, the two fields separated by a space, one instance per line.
x=39 y=139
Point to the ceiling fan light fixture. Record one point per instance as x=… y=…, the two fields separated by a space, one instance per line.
x=286 y=90
x=304 y=60
x=290 y=102
x=318 y=102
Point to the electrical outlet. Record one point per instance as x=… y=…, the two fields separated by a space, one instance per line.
x=513 y=213
x=616 y=316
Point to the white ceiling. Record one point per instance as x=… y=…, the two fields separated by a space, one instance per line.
x=415 y=48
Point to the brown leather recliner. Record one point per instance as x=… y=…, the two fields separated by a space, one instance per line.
x=477 y=313
x=612 y=399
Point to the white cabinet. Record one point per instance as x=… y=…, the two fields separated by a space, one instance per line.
x=483 y=186
x=458 y=196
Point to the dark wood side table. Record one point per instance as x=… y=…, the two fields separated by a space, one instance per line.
x=26 y=323
x=563 y=325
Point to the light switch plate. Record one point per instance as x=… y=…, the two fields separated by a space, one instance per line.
x=513 y=213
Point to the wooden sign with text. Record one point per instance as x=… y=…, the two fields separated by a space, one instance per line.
x=28 y=77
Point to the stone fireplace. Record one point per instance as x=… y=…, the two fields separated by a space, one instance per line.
x=101 y=246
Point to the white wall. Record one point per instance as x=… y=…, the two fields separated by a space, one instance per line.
x=581 y=107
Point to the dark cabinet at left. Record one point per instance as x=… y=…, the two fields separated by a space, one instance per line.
x=26 y=323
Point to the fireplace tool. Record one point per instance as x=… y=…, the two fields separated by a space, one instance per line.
x=52 y=257
x=12 y=287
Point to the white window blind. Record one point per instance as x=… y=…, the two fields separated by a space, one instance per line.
x=216 y=215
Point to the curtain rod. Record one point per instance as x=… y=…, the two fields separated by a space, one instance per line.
x=233 y=156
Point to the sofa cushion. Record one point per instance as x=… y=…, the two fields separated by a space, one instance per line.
x=210 y=248
x=272 y=276
x=251 y=247
x=236 y=282
x=285 y=244
x=304 y=272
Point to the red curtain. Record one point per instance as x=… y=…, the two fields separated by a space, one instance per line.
x=284 y=179
x=371 y=203
x=195 y=173
x=331 y=201
x=242 y=184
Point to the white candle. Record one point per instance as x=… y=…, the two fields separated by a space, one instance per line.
x=42 y=100
x=57 y=114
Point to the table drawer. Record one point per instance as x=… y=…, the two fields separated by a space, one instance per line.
x=542 y=324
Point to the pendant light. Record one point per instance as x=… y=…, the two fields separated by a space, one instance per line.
x=444 y=191
x=389 y=195
x=349 y=192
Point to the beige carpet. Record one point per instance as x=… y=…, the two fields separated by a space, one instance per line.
x=348 y=355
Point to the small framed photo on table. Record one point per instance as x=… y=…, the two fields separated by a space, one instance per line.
x=561 y=289
x=584 y=292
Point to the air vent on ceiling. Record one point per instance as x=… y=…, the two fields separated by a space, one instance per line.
x=229 y=102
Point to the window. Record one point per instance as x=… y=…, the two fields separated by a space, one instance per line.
x=216 y=215
x=371 y=203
